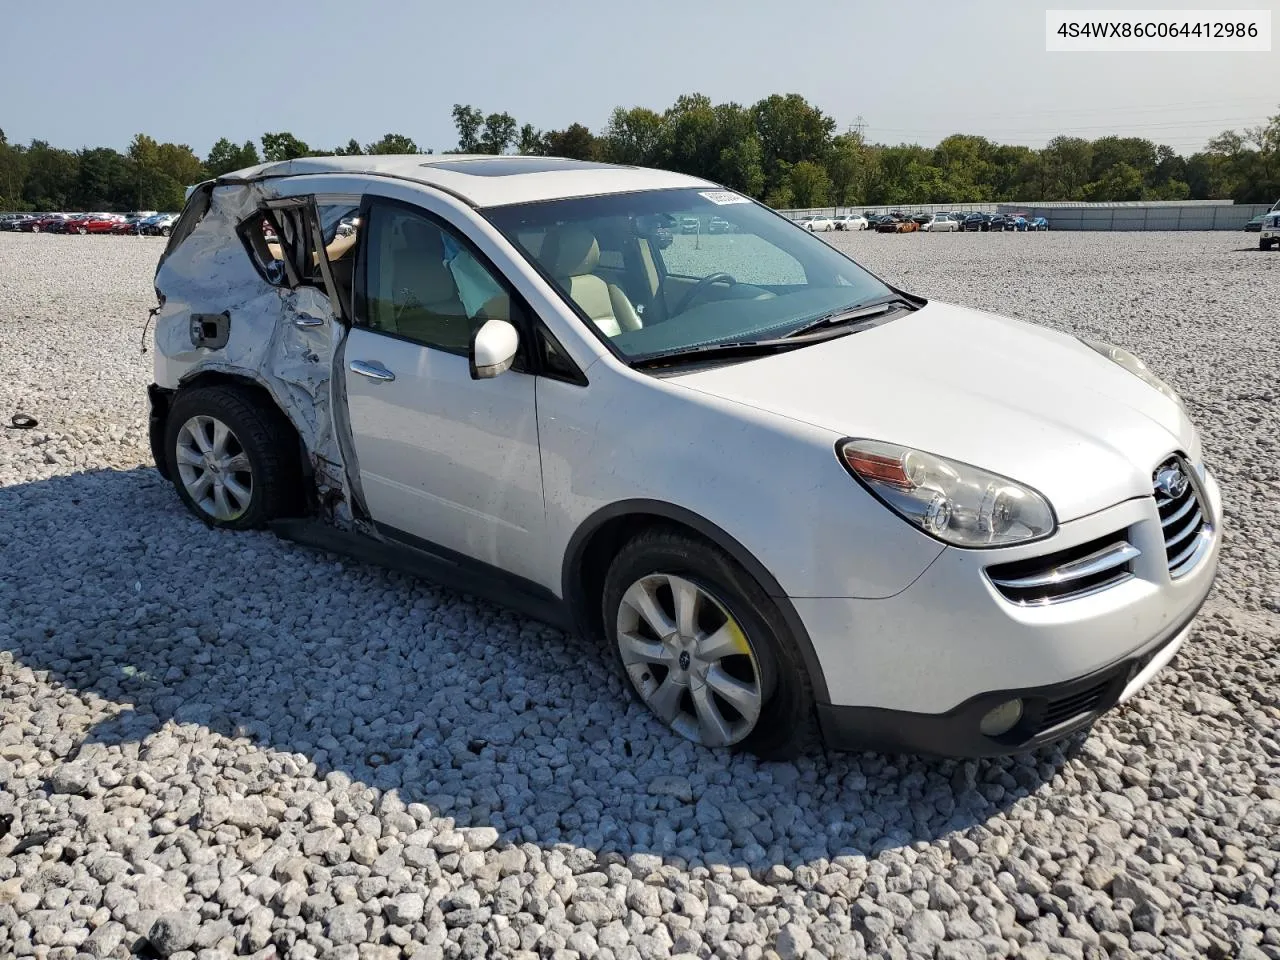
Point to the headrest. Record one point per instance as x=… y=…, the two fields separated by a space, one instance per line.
x=419 y=265
x=569 y=251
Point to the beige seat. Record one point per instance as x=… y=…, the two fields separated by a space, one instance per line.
x=570 y=253
x=425 y=301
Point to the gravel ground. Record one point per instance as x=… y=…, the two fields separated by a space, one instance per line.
x=215 y=744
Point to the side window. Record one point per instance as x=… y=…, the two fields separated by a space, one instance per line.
x=423 y=284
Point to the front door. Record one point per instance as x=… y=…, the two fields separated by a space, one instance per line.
x=442 y=458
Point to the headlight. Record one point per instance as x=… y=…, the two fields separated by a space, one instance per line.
x=957 y=503
x=1136 y=367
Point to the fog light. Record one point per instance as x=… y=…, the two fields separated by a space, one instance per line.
x=1001 y=719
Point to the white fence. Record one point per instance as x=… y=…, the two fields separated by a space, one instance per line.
x=1166 y=215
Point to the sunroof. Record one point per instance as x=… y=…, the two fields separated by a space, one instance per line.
x=510 y=166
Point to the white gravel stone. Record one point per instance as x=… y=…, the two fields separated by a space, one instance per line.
x=234 y=746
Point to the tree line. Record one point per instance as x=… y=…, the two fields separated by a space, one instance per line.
x=782 y=150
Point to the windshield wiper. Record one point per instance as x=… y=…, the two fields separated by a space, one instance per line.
x=857 y=312
x=743 y=348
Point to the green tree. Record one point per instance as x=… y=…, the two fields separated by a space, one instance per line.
x=468 y=120
x=1108 y=153
x=634 y=136
x=810 y=185
x=105 y=181
x=1069 y=164
x=13 y=175
x=283 y=146
x=225 y=156
x=790 y=130
x=847 y=168
x=575 y=142
x=52 y=175
x=739 y=161
x=689 y=136
x=499 y=133
x=392 y=143
x=530 y=142
x=1118 y=182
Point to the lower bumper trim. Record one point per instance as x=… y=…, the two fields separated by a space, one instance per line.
x=1049 y=713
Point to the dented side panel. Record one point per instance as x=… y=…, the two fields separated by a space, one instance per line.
x=211 y=272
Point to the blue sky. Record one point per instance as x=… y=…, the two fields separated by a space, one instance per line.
x=326 y=71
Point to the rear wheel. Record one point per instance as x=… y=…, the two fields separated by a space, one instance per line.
x=233 y=461
x=1265 y=244
x=704 y=647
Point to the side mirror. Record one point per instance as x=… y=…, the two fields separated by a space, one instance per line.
x=493 y=349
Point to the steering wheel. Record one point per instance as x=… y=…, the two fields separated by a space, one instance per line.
x=697 y=288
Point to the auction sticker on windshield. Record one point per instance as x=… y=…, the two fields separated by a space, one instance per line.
x=723 y=196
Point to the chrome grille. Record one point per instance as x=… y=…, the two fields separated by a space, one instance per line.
x=1067 y=574
x=1182 y=515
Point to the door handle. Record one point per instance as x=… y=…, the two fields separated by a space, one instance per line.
x=305 y=320
x=374 y=371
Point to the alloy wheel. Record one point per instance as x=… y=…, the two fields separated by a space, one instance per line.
x=689 y=660
x=214 y=468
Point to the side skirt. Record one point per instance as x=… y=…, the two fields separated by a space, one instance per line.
x=407 y=554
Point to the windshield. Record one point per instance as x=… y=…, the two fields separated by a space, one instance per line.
x=650 y=290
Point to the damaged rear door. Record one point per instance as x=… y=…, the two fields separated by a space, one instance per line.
x=294 y=243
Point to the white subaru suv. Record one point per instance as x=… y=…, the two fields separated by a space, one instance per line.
x=787 y=496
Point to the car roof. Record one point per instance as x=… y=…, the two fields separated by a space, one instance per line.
x=484 y=180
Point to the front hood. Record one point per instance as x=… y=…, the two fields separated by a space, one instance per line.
x=1018 y=399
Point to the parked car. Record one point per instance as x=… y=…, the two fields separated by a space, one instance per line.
x=850 y=221
x=13 y=222
x=940 y=223
x=976 y=221
x=157 y=224
x=1017 y=542
x=49 y=223
x=1269 y=235
x=690 y=225
x=130 y=224
x=95 y=223
x=1000 y=221
x=1038 y=223
x=719 y=225
x=1255 y=225
x=896 y=223
x=1019 y=222
x=922 y=218
x=820 y=224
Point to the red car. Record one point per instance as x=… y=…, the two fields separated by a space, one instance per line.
x=43 y=224
x=94 y=223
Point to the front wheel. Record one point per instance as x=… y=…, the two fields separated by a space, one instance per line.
x=233 y=460
x=164 y=231
x=704 y=647
x=1264 y=244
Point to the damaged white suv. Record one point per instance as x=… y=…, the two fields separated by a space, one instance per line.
x=780 y=490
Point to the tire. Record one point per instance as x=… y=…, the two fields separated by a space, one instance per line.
x=35 y=229
x=259 y=440
x=164 y=231
x=761 y=662
x=1264 y=244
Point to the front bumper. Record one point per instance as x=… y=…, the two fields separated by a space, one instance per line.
x=918 y=671
x=1049 y=713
